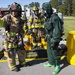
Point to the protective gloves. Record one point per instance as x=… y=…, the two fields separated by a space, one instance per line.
x=54 y=45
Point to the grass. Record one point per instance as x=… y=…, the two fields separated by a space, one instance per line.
x=69 y=25
x=1 y=22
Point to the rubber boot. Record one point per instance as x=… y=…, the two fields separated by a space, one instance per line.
x=57 y=69
x=48 y=65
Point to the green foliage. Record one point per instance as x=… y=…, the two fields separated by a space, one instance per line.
x=69 y=7
x=37 y=4
x=55 y=3
x=73 y=9
x=1 y=23
x=63 y=9
x=32 y=4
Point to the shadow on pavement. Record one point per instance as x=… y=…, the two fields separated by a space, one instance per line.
x=35 y=62
x=64 y=63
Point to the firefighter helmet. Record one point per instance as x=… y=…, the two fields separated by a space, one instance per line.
x=37 y=11
x=35 y=8
x=40 y=11
x=16 y=7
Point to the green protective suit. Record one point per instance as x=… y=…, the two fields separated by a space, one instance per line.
x=53 y=27
x=54 y=30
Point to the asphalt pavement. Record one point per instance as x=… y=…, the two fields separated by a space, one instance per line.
x=36 y=68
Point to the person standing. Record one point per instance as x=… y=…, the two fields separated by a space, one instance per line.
x=36 y=22
x=53 y=27
x=13 y=42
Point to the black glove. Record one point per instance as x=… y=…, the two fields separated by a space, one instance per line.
x=54 y=45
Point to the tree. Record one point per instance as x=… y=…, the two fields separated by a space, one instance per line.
x=63 y=9
x=73 y=9
x=55 y=3
x=37 y=4
x=69 y=6
x=34 y=4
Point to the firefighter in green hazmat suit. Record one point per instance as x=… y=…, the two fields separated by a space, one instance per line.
x=13 y=42
x=53 y=27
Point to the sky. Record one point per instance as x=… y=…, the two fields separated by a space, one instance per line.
x=5 y=3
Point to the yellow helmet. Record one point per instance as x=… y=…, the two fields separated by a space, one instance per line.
x=40 y=11
x=34 y=8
